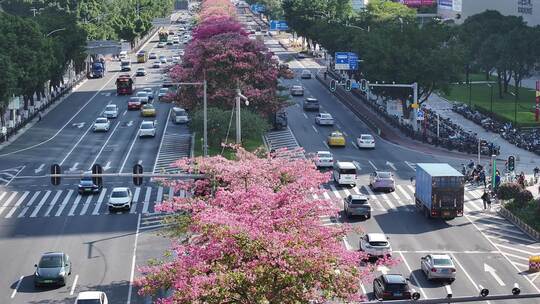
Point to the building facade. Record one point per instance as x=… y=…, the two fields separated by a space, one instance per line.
x=460 y=10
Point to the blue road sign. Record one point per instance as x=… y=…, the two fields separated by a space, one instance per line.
x=346 y=61
x=258 y=8
x=278 y=25
x=355 y=85
x=420 y=115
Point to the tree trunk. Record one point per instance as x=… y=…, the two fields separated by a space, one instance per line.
x=499 y=81
x=487 y=74
x=467 y=74
x=507 y=77
x=517 y=80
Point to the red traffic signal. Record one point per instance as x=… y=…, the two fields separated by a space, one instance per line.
x=55 y=169
x=137 y=169
x=97 y=169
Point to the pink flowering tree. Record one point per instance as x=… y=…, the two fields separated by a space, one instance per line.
x=254 y=235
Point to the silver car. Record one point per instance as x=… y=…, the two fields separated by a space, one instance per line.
x=438 y=266
x=357 y=205
x=324 y=159
x=380 y=180
x=111 y=111
x=324 y=119
x=53 y=268
x=179 y=115
x=297 y=90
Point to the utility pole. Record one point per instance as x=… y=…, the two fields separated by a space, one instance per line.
x=238 y=98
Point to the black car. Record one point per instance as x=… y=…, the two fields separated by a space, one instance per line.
x=391 y=287
x=53 y=268
x=87 y=186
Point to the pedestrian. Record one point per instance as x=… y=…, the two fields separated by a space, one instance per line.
x=39 y=115
x=485 y=198
x=482 y=177
x=488 y=201
x=536 y=172
x=463 y=169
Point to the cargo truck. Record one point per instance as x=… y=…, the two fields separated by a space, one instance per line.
x=439 y=191
x=97 y=67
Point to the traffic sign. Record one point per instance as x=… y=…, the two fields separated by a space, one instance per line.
x=420 y=115
x=258 y=8
x=415 y=106
x=346 y=61
x=355 y=85
x=278 y=25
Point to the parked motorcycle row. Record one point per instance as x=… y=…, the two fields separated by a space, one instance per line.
x=525 y=138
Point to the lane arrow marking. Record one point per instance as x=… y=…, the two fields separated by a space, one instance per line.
x=130 y=123
x=107 y=166
x=39 y=169
x=493 y=273
x=78 y=124
x=411 y=165
x=74 y=167
x=391 y=165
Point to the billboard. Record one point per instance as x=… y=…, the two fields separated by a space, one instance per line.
x=418 y=3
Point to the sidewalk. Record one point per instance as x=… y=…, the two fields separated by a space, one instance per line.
x=525 y=160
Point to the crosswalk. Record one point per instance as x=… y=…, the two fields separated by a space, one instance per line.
x=284 y=140
x=67 y=202
x=174 y=146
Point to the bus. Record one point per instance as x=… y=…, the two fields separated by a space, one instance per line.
x=142 y=56
x=124 y=85
x=163 y=35
x=344 y=173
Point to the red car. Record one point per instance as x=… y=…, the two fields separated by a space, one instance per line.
x=134 y=103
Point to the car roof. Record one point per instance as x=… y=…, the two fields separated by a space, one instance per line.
x=377 y=237
x=345 y=165
x=394 y=279
x=120 y=189
x=324 y=152
x=296 y=87
x=440 y=256
x=52 y=253
x=311 y=99
x=325 y=114
x=147 y=122
x=366 y=135
x=336 y=133
x=381 y=172
x=89 y=295
x=102 y=118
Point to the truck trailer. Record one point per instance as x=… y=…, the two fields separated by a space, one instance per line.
x=439 y=191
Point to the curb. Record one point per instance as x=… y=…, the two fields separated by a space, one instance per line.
x=535 y=235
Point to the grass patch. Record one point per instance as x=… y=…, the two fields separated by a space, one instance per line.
x=248 y=144
x=528 y=213
x=503 y=107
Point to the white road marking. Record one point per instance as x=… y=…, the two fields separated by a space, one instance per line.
x=99 y=202
x=391 y=165
x=413 y=276
x=74 y=167
x=23 y=213
x=104 y=145
x=75 y=146
x=86 y=205
x=494 y=274
x=411 y=165
x=383 y=269
x=17 y=287
x=129 y=152
x=75 y=204
x=403 y=192
x=64 y=203
x=17 y=204
x=354 y=144
x=39 y=169
x=159 y=197
x=107 y=166
x=131 y=276
x=305 y=115
x=139 y=162
x=40 y=204
x=6 y=203
x=346 y=243
x=74 y=284
x=53 y=202
x=465 y=272
x=335 y=191
x=325 y=144
x=135 y=200
x=146 y=202
x=14 y=176
x=372 y=164
x=315 y=129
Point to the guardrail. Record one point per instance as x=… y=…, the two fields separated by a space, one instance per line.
x=519 y=223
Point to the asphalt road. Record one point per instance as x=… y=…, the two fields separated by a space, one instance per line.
x=487 y=250
x=36 y=217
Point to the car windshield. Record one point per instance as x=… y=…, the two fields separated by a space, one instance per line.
x=147 y=126
x=384 y=175
x=136 y=99
x=101 y=120
x=326 y=116
x=180 y=112
x=367 y=137
x=397 y=287
x=313 y=100
x=140 y=69
x=91 y=301
x=164 y=90
x=121 y=193
x=442 y=262
x=147 y=106
x=86 y=182
x=358 y=201
x=50 y=261
x=110 y=108
x=142 y=94
x=324 y=155
x=378 y=243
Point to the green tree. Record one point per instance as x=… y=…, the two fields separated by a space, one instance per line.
x=8 y=83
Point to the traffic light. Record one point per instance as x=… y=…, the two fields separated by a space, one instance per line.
x=96 y=169
x=137 y=169
x=363 y=85
x=333 y=85
x=511 y=163
x=348 y=85
x=55 y=169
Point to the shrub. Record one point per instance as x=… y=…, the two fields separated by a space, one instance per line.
x=508 y=191
x=523 y=197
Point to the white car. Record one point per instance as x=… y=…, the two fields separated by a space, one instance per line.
x=92 y=297
x=366 y=141
x=438 y=266
x=148 y=128
x=163 y=59
x=101 y=124
x=324 y=119
x=176 y=59
x=123 y=55
x=150 y=93
x=156 y=65
x=152 y=56
x=161 y=44
x=120 y=198
x=324 y=159
x=141 y=72
x=176 y=40
x=179 y=115
x=144 y=97
x=111 y=111
x=181 y=52
x=163 y=92
x=375 y=245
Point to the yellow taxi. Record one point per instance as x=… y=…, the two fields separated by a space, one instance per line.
x=336 y=139
x=148 y=110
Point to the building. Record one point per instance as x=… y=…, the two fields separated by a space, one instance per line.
x=359 y=5
x=459 y=10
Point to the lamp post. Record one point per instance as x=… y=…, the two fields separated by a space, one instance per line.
x=515 y=108
x=238 y=98
x=470 y=94
x=491 y=102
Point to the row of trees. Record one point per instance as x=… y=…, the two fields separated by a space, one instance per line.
x=252 y=233
x=394 y=47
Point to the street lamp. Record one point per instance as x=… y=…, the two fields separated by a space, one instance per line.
x=470 y=94
x=515 y=108
x=57 y=30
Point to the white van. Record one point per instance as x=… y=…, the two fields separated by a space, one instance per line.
x=123 y=55
x=344 y=173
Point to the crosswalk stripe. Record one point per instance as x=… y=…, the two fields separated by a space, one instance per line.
x=326 y=196
x=2 y=195
x=335 y=191
x=40 y=204
x=75 y=204
x=25 y=209
x=171 y=193
x=159 y=197
x=17 y=204
x=86 y=205
x=401 y=189
x=53 y=202
x=387 y=200
x=99 y=202
x=64 y=203
x=396 y=197
x=6 y=203
x=135 y=200
x=347 y=192
x=372 y=199
x=147 y=200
